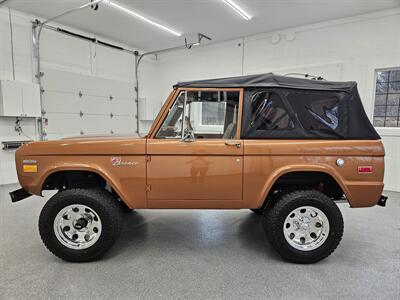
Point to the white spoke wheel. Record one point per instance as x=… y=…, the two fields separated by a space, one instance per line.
x=306 y=228
x=77 y=226
x=80 y=224
x=303 y=226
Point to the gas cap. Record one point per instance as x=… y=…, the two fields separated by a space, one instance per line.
x=340 y=162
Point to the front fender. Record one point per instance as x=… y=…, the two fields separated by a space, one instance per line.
x=128 y=180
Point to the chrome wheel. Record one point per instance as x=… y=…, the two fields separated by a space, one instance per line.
x=77 y=226
x=306 y=228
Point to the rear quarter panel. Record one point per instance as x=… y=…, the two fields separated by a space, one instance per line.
x=266 y=160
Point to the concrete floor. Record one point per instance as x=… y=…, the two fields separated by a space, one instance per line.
x=201 y=254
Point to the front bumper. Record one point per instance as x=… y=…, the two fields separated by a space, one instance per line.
x=382 y=200
x=19 y=195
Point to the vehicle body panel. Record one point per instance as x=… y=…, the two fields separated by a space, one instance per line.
x=89 y=154
x=266 y=161
x=194 y=172
x=206 y=173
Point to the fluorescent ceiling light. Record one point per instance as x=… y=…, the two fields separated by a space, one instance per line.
x=238 y=9
x=135 y=14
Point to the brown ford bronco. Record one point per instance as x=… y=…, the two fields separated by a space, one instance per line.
x=284 y=147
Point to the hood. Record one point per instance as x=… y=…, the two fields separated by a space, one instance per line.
x=101 y=137
x=87 y=145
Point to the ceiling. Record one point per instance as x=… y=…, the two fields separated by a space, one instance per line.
x=211 y=17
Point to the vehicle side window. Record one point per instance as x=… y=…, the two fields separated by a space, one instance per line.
x=315 y=111
x=269 y=113
x=202 y=114
x=172 y=126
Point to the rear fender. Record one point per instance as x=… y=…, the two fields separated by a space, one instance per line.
x=301 y=168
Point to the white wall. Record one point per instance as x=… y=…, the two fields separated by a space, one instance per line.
x=23 y=72
x=70 y=66
x=346 y=49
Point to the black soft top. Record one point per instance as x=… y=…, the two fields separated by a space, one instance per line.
x=270 y=80
x=283 y=107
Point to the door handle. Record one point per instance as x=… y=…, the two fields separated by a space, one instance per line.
x=237 y=144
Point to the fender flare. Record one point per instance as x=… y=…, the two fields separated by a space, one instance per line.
x=271 y=180
x=86 y=168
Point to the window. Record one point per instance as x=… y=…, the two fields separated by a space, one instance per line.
x=171 y=128
x=269 y=113
x=387 y=98
x=206 y=114
x=315 y=111
x=212 y=113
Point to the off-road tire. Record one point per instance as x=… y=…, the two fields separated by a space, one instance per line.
x=124 y=208
x=274 y=218
x=101 y=201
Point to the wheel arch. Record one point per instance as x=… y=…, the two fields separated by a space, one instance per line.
x=54 y=178
x=283 y=173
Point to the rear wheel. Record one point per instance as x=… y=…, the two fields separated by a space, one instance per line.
x=80 y=224
x=304 y=226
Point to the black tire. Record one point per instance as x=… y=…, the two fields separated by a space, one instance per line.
x=102 y=202
x=257 y=211
x=124 y=208
x=274 y=219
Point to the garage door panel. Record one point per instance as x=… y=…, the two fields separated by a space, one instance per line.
x=96 y=124
x=96 y=87
x=57 y=102
x=70 y=52
x=63 y=123
x=57 y=80
x=107 y=87
x=96 y=105
x=62 y=135
x=123 y=125
x=121 y=89
x=78 y=103
x=61 y=81
x=123 y=107
x=114 y=64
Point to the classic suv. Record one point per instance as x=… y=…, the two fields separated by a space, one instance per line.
x=284 y=147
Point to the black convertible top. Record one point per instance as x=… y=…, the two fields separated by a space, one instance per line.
x=270 y=80
x=283 y=107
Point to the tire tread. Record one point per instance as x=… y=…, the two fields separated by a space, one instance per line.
x=272 y=226
x=108 y=203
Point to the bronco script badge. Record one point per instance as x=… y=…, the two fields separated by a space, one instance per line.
x=117 y=161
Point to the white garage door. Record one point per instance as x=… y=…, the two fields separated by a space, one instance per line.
x=76 y=104
x=88 y=89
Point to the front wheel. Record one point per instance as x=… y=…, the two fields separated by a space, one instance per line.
x=257 y=211
x=304 y=226
x=80 y=224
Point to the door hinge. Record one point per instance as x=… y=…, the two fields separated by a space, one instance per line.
x=148 y=158
x=148 y=187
